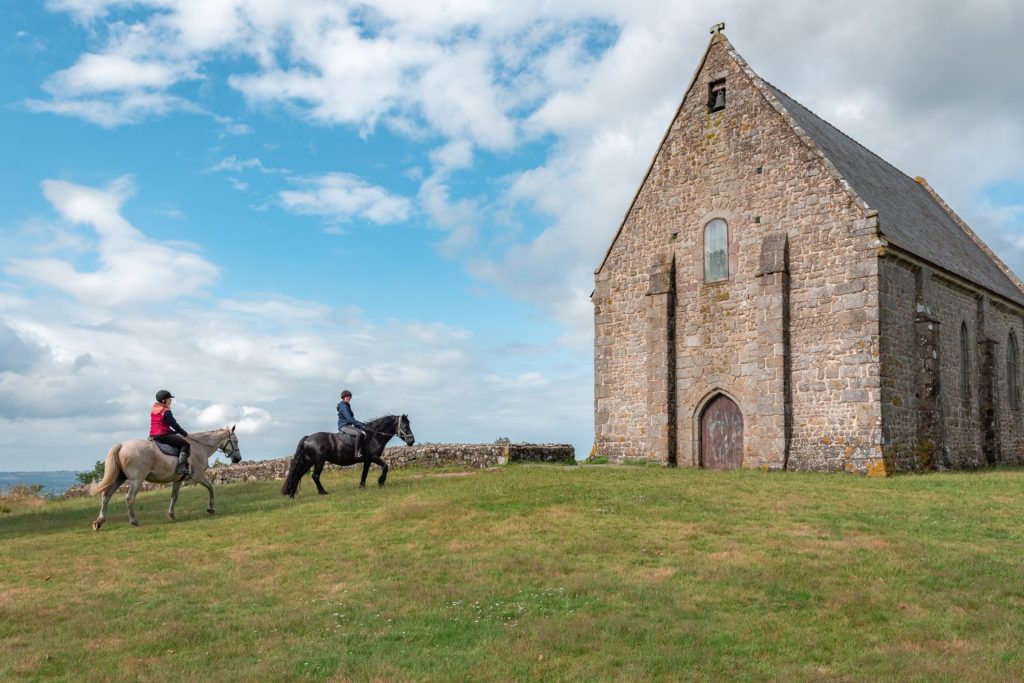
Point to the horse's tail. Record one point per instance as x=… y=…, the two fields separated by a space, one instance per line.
x=111 y=472
x=300 y=465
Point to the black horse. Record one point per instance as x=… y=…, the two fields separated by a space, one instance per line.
x=316 y=450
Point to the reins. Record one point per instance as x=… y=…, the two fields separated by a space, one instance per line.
x=215 y=447
x=400 y=434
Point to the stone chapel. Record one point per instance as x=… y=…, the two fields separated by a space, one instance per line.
x=777 y=296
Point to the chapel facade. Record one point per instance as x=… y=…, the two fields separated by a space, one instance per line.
x=777 y=296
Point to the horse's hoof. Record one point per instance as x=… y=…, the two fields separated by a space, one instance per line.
x=135 y=522
x=97 y=524
x=170 y=515
x=210 y=510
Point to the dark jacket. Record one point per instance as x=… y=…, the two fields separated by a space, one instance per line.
x=173 y=424
x=345 y=417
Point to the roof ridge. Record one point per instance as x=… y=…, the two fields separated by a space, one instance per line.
x=962 y=224
x=766 y=89
x=901 y=203
x=840 y=131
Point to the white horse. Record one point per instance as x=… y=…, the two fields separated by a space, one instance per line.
x=140 y=460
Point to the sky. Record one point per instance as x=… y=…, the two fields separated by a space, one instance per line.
x=258 y=203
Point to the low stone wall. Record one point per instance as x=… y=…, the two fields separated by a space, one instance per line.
x=421 y=455
x=477 y=454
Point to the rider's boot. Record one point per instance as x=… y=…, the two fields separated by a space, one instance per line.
x=183 y=463
x=357 y=449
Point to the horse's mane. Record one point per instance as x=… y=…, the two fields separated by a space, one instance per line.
x=377 y=423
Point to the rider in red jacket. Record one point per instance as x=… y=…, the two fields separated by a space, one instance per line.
x=165 y=429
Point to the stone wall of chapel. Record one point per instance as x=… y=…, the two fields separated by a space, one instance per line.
x=1000 y=320
x=909 y=291
x=899 y=362
x=954 y=306
x=743 y=164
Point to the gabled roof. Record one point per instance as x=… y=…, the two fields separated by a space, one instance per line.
x=910 y=216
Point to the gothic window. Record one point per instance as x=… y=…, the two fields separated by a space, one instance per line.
x=1012 y=390
x=716 y=251
x=965 y=363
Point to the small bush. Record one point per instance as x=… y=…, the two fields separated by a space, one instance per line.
x=88 y=477
x=597 y=460
x=21 y=496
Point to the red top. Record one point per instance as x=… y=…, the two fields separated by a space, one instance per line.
x=156 y=420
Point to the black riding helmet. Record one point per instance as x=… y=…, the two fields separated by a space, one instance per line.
x=163 y=395
x=346 y=393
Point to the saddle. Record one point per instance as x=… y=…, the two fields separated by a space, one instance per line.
x=347 y=436
x=166 y=448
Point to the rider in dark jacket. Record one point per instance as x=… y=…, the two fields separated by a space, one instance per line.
x=348 y=424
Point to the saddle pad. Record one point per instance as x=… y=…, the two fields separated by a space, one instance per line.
x=167 y=449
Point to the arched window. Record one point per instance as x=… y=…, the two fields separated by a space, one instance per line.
x=716 y=251
x=1013 y=393
x=965 y=363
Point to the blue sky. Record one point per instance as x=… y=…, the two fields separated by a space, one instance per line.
x=257 y=203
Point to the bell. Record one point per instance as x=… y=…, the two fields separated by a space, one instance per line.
x=719 y=100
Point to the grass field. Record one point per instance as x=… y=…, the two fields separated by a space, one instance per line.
x=587 y=573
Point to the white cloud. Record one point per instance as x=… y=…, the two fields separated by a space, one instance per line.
x=130 y=108
x=131 y=266
x=457 y=154
x=85 y=10
x=98 y=73
x=459 y=218
x=236 y=165
x=246 y=419
x=344 y=197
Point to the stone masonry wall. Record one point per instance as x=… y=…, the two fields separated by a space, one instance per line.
x=899 y=363
x=421 y=455
x=911 y=290
x=745 y=165
x=1000 y=320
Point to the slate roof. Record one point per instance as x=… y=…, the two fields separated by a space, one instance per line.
x=908 y=215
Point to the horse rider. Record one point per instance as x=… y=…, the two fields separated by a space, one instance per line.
x=165 y=429
x=347 y=422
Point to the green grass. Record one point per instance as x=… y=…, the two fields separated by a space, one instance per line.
x=585 y=573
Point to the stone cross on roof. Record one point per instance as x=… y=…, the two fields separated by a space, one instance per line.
x=718 y=28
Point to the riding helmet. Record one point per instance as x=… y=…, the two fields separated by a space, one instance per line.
x=346 y=393
x=163 y=395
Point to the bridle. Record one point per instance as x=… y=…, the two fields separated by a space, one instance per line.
x=400 y=433
x=229 y=443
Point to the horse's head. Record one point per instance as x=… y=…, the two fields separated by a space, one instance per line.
x=404 y=431
x=230 y=446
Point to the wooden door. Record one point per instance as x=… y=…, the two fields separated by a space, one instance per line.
x=721 y=435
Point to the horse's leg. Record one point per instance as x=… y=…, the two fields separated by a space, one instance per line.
x=104 y=500
x=317 y=469
x=366 y=471
x=379 y=461
x=133 y=489
x=209 y=487
x=174 y=499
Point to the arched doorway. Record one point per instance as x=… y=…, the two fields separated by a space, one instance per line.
x=721 y=435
